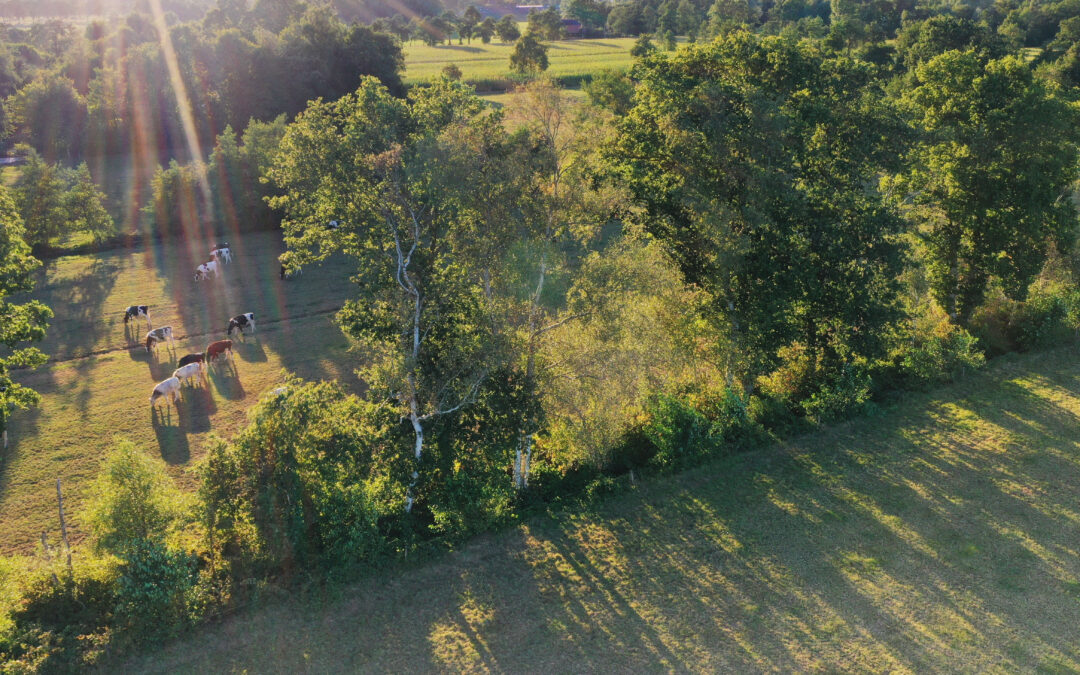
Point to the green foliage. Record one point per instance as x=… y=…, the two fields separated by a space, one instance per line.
x=507 y=29
x=643 y=47
x=529 y=56
x=151 y=591
x=610 y=89
x=56 y=202
x=753 y=160
x=306 y=483
x=23 y=322
x=49 y=115
x=134 y=502
x=989 y=176
x=838 y=398
x=943 y=355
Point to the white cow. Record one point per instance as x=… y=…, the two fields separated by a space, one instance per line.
x=206 y=270
x=168 y=389
x=222 y=255
x=190 y=371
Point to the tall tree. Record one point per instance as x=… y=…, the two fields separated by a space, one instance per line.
x=991 y=175
x=19 y=323
x=399 y=177
x=752 y=157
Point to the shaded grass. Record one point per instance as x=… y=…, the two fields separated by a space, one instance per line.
x=488 y=66
x=97 y=385
x=940 y=536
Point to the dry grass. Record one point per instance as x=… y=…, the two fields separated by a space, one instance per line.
x=97 y=386
x=939 y=537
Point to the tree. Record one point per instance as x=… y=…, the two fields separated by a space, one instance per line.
x=507 y=29
x=48 y=114
x=486 y=29
x=610 y=89
x=643 y=46
x=529 y=55
x=990 y=177
x=134 y=501
x=21 y=323
x=470 y=19
x=545 y=24
x=401 y=177
x=753 y=159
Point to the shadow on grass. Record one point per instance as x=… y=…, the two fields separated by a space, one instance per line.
x=940 y=537
x=250 y=349
x=169 y=428
x=226 y=379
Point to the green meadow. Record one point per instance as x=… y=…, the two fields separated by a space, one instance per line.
x=938 y=536
x=488 y=66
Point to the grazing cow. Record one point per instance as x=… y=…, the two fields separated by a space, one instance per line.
x=138 y=312
x=168 y=389
x=206 y=270
x=222 y=254
x=159 y=335
x=219 y=348
x=191 y=358
x=190 y=371
x=240 y=322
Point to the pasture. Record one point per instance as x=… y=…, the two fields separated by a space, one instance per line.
x=98 y=381
x=939 y=536
x=488 y=66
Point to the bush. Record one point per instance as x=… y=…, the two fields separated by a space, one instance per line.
x=839 y=397
x=685 y=435
x=942 y=356
x=1049 y=316
x=151 y=592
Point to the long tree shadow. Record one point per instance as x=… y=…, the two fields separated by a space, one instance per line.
x=250 y=349
x=76 y=292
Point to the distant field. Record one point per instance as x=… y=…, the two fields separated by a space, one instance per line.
x=97 y=384
x=940 y=536
x=488 y=66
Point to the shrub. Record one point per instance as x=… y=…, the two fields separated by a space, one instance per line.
x=151 y=592
x=942 y=356
x=682 y=435
x=839 y=397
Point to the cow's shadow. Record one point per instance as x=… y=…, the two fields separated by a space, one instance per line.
x=226 y=380
x=250 y=349
x=162 y=363
x=168 y=424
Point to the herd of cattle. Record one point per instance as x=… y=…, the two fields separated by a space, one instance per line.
x=191 y=366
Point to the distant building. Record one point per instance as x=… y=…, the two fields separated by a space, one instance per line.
x=573 y=28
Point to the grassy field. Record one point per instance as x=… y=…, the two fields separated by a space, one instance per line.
x=488 y=66
x=941 y=536
x=97 y=385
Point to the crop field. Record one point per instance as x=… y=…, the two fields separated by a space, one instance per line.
x=939 y=536
x=97 y=385
x=488 y=66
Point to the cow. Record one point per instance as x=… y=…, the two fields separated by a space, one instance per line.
x=240 y=322
x=219 y=348
x=206 y=270
x=159 y=335
x=222 y=254
x=168 y=389
x=138 y=312
x=191 y=358
x=190 y=371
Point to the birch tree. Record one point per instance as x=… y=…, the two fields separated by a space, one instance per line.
x=398 y=180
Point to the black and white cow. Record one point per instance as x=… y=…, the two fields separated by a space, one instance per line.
x=138 y=312
x=222 y=254
x=159 y=335
x=241 y=322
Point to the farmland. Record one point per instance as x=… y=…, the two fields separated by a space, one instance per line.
x=96 y=386
x=488 y=66
x=939 y=536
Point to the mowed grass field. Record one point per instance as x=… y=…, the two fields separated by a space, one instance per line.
x=941 y=536
x=97 y=385
x=488 y=66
